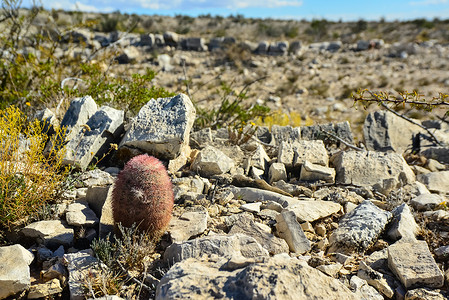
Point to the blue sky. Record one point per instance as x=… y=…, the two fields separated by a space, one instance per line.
x=278 y=9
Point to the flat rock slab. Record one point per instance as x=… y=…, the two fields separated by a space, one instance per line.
x=273 y=244
x=413 y=265
x=45 y=289
x=51 y=233
x=309 y=211
x=294 y=154
x=403 y=225
x=249 y=194
x=211 y=161
x=79 y=214
x=290 y=230
x=370 y=168
x=427 y=201
x=14 y=270
x=279 y=277
x=189 y=224
x=79 y=265
x=162 y=126
x=221 y=245
x=435 y=181
x=359 y=228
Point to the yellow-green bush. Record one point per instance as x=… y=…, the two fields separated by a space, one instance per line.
x=28 y=179
x=283 y=119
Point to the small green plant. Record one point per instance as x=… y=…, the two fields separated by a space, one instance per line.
x=28 y=179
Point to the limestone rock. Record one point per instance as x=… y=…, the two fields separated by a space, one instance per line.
x=79 y=214
x=437 y=182
x=273 y=244
x=50 y=233
x=104 y=126
x=364 y=291
x=79 y=265
x=359 y=229
x=14 y=270
x=296 y=153
x=287 y=134
x=45 y=289
x=414 y=265
x=427 y=201
x=162 y=126
x=440 y=154
x=277 y=172
x=289 y=229
x=309 y=211
x=313 y=172
x=222 y=245
x=403 y=224
x=424 y=294
x=375 y=279
x=370 y=168
x=211 y=161
x=191 y=223
x=279 y=277
x=249 y=194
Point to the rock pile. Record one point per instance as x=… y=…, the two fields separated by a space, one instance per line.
x=292 y=217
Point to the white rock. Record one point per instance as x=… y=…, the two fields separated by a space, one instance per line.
x=427 y=201
x=435 y=181
x=211 y=161
x=14 y=270
x=45 y=289
x=375 y=279
x=191 y=223
x=403 y=224
x=277 y=172
x=364 y=291
x=290 y=230
x=79 y=265
x=249 y=194
x=314 y=172
x=162 y=126
x=309 y=211
x=51 y=233
x=296 y=153
x=79 y=214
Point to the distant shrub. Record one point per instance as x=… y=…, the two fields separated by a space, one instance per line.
x=318 y=29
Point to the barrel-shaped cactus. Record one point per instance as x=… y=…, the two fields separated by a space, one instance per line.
x=143 y=195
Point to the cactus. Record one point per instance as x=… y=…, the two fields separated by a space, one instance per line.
x=143 y=195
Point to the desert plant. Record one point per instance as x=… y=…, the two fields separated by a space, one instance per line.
x=28 y=179
x=143 y=195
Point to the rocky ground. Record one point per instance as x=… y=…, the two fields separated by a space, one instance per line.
x=293 y=213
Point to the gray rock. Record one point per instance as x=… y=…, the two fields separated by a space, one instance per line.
x=129 y=55
x=277 y=172
x=359 y=229
x=295 y=47
x=309 y=211
x=79 y=214
x=364 y=291
x=249 y=194
x=334 y=46
x=262 y=48
x=79 y=265
x=171 y=38
x=164 y=61
x=331 y=270
x=286 y=134
x=371 y=168
x=201 y=137
x=363 y=45
x=259 y=159
x=48 y=118
x=424 y=294
x=14 y=270
x=57 y=270
x=289 y=229
x=221 y=245
x=194 y=43
x=273 y=244
x=314 y=132
x=442 y=253
x=50 y=233
x=95 y=177
x=45 y=289
x=279 y=277
x=162 y=126
x=191 y=223
x=427 y=201
x=278 y=48
x=314 y=172
x=435 y=181
x=440 y=154
x=296 y=153
x=413 y=265
x=147 y=39
x=384 y=131
x=375 y=279
x=211 y=161
x=403 y=225
x=96 y=197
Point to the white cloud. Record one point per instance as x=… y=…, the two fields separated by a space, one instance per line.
x=427 y=2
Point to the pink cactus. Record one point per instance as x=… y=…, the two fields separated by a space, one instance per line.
x=143 y=194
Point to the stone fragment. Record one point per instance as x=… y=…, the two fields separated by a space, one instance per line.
x=309 y=211
x=249 y=194
x=251 y=207
x=370 y=168
x=315 y=132
x=201 y=137
x=57 y=270
x=293 y=189
x=294 y=154
x=277 y=172
x=103 y=128
x=289 y=229
x=45 y=289
x=273 y=244
x=95 y=177
x=161 y=127
x=79 y=265
x=191 y=223
x=79 y=214
x=287 y=134
x=375 y=279
x=363 y=290
x=359 y=229
x=413 y=265
x=171 y=38
x=424 y=294
x=437 y=182
x=403 y=224
x=51 y=233
x=211 y=161
x=259 y=159
x=14 y=270
x=384 y=131
x=442 y=253
x=331 y=270
x=222 y=245
x=440 y=154
x=427 y=201
x=313 y=172
x=279 y=277
x=194 y=43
